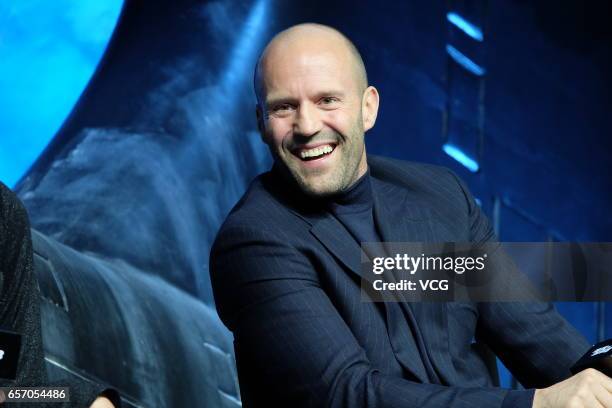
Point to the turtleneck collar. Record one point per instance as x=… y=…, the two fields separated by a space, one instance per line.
x=357 y=198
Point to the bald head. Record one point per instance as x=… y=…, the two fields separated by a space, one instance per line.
x=308 y=41
x=314 y=106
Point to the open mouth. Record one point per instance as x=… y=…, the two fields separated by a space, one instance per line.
x=315 y=153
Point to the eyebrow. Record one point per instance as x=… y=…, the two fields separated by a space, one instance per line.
x=317 y=96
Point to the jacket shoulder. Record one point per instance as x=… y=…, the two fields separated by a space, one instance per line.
x=258 y=210
x=416 y=176
x=438 y=189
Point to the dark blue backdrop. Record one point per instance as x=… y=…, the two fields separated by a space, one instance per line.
x=513 y=95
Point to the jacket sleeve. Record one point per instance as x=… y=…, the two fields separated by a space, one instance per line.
x=292 y=346
x=531 y=338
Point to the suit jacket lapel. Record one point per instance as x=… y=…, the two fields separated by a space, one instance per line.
x=332 y=234
x=432 y=316
x=338 y=241
x=402 y=217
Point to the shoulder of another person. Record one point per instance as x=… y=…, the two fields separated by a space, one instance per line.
x=13 y=215
x=7 y=198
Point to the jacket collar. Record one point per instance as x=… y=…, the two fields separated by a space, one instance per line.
x=397 y=211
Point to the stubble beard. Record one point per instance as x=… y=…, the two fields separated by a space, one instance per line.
x=335 y=180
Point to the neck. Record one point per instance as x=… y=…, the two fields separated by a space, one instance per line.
x=362 y=169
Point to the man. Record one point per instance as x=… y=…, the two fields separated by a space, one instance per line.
x=285 y=264
x=20 y=308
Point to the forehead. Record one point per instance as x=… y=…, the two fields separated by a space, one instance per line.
x=290 y=70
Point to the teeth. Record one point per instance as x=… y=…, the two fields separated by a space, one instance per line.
x=317 y=151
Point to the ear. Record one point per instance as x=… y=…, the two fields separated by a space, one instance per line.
x=369 y=107
x=261 y=125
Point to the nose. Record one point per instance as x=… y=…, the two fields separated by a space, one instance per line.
x=307 y=122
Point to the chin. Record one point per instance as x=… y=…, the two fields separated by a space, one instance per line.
x=317 y=189
x=314 y=185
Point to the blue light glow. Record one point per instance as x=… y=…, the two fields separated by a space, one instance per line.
x=461 y=157
x=49 y=50
x=244 y=51
x=465 y=26
x=464 y=61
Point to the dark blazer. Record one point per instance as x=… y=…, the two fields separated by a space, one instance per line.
x=286 y=281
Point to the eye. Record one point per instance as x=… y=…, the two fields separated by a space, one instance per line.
x=328 y=101
x=281 y=109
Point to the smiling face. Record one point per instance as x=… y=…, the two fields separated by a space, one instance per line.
x=314 y=108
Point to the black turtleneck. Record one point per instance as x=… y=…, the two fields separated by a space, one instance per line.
x=354 y=209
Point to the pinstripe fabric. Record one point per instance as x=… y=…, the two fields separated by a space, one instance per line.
x=286 y=280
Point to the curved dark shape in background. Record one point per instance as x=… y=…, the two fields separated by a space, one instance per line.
x=126 y=200
x=108 y=322
x=162 y=143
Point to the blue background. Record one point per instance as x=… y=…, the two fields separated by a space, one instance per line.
x=512 y=95
x=49 y=51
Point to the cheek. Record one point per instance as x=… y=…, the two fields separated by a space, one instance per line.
x=276 y=131
x=342 y=122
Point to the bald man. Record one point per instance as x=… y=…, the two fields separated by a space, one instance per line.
x=285 y=266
